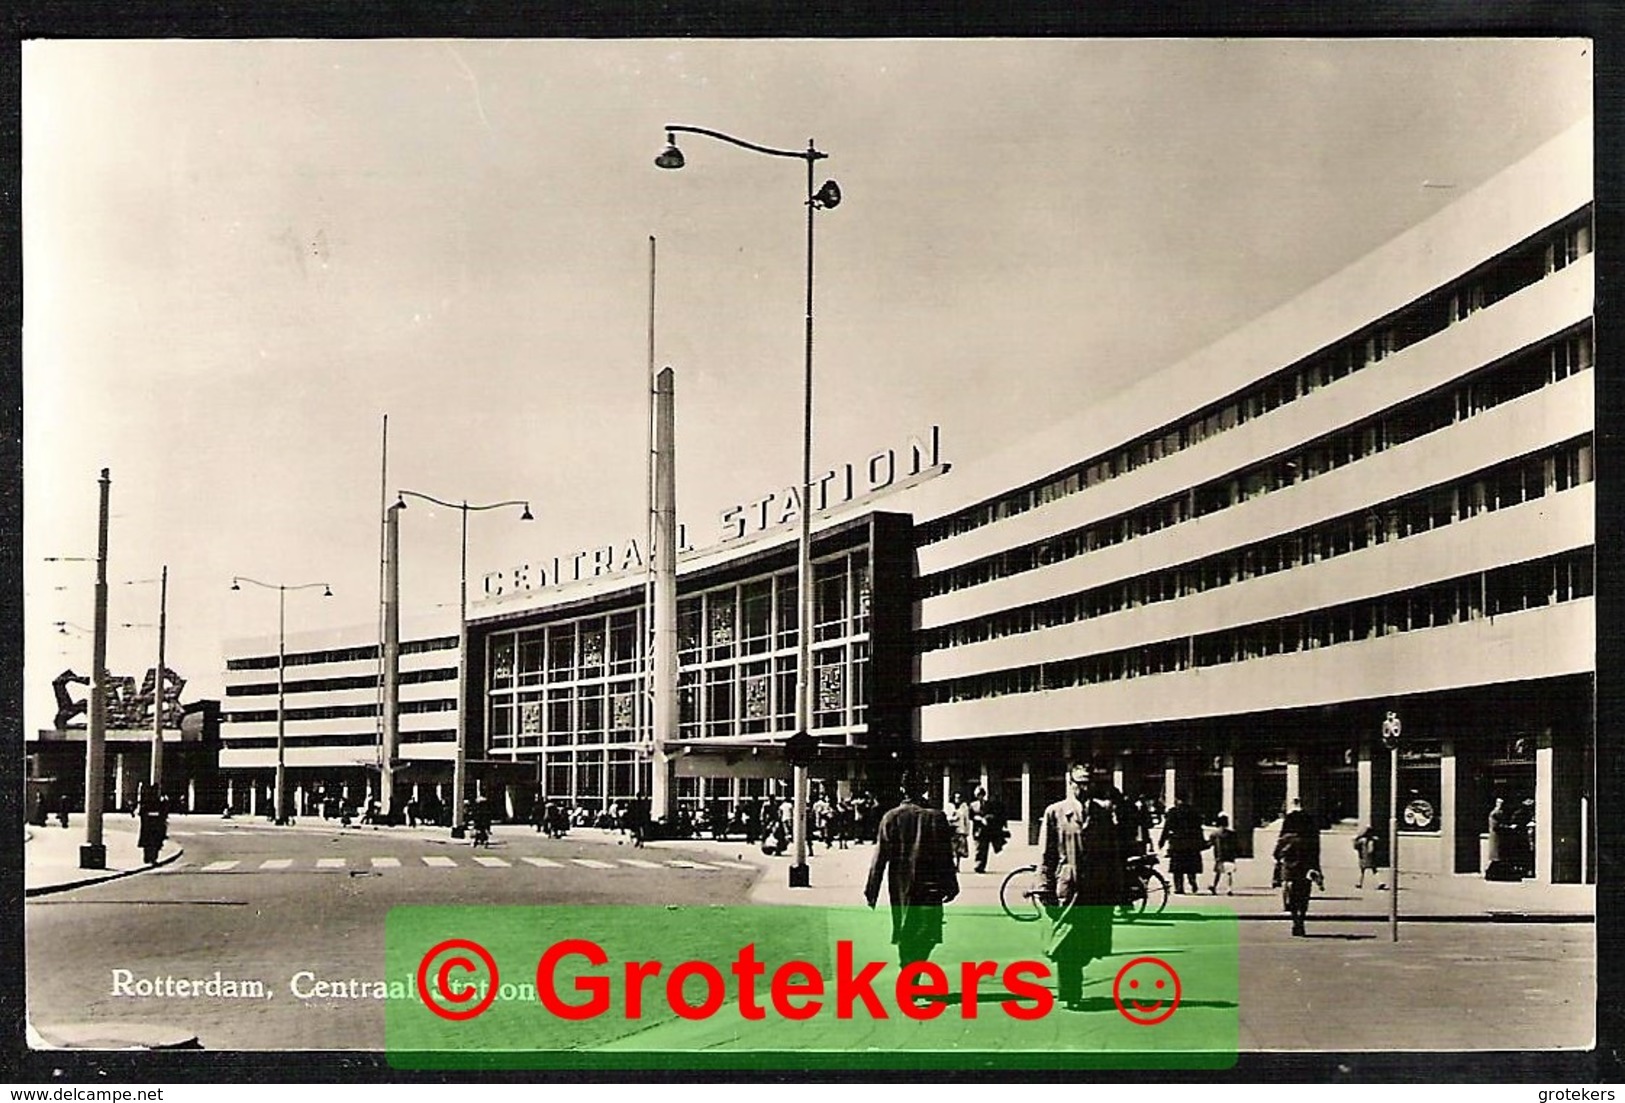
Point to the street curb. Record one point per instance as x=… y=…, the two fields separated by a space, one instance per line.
x=103 y=1037
x=1462 y=917
x=46 y=890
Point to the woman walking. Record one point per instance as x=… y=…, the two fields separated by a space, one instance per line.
x=1297 y=854
x=1182 y=835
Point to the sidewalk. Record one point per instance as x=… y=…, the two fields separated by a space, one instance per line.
x=51 y=855
x=838 y=877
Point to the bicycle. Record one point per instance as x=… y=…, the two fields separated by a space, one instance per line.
x=1148 y=888
x=1020 y=895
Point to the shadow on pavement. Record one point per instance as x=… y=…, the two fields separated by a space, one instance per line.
x=1343 y=937
x=1106 y=1003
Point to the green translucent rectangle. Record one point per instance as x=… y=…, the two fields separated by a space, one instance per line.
x=991 y=1011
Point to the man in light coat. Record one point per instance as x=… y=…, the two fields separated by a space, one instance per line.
x=1082 y=868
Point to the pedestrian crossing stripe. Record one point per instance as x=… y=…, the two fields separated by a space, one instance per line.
x=488 y=861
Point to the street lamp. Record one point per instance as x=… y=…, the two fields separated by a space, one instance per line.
x=62 y=626
x=825 y=198
x=93 y=853
x=459 y=774
x=159 y=680
x=278 y=810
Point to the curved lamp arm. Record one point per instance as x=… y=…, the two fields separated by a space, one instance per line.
x=404 y=494
x=809 y=154
x=235 y=579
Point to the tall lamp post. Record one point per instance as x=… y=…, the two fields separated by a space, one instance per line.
x=824 y=198
x=93 y=853
x=155 y=775
x=459 y=774
x=160 y=682
x=278 y=810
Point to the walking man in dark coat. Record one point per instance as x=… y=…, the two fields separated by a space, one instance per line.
x=914 y=853
x=153 y=811
x=989 y=823
x=1082 y=868
x=637 y=819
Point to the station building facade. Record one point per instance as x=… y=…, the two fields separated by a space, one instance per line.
x=1377 y=498
x=1217 y=584
x=563 y=679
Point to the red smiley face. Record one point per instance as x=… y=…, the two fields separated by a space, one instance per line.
x=1152 y=990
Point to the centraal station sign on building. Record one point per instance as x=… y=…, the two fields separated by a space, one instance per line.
x=881 y=472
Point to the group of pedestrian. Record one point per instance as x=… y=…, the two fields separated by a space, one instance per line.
x=1089 y=840
x=1296 y=855
x=837 y=822
x=979 y=825
x=1186 y=838
x=550 y=818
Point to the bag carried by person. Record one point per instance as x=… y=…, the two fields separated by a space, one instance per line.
x=1060 y=930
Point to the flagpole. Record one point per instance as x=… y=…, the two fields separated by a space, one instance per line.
x=386 y=775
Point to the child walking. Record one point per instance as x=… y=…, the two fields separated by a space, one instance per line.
x=1223 y=842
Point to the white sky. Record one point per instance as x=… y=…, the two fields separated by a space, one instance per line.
x=238 y=256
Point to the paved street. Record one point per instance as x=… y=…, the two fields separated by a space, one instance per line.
x=257 y=902
x=1347 y=988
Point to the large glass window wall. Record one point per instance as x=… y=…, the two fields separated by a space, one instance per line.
x=573 y=691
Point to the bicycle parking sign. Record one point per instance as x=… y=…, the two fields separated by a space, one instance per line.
x=1390 y=730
